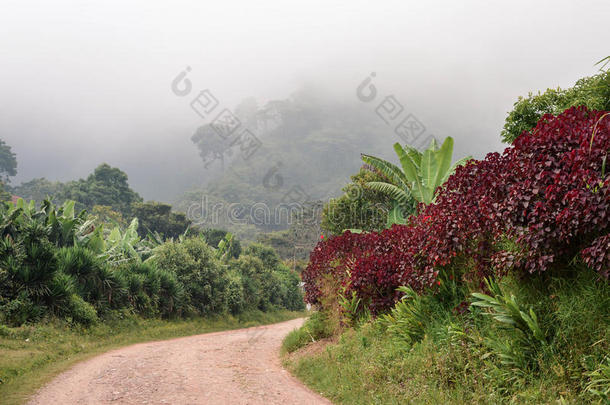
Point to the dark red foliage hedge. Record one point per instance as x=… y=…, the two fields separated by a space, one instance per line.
x=547 y=195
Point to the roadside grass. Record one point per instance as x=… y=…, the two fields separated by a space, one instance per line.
x=471 y=358
x=31 y=356
x=315 y=328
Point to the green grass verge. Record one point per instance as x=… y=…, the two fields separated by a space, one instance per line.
x=30 y=356
x=315 y=328
x=471 y=358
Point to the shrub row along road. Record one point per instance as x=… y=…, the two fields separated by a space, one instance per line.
x=232 y=367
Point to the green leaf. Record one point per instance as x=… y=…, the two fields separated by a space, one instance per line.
x=395 y=216
x=388 y=169
x=354 y=230
x=414 y=154
x=457 y=164
x=408 y=166
x=68 y=211
x=443 y=159
x=397 y=193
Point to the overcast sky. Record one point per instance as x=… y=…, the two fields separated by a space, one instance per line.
x=84 y=82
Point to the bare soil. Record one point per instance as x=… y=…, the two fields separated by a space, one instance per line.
x=233 y=367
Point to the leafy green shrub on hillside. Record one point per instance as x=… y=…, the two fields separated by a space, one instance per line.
x=54 y=263
x=81 y=311
x=592 y=92
x=95 y=281
x=204 y=279
x=152 y=291
x=28 y=266
x=256 y=281
x=280 y=284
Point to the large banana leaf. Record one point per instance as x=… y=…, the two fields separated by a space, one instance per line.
x=421 y=175
x=411 y=163
x=457 y=164
x=443 y=161
x=408 y=166
x=388 y=169
x=402 y=195
x=395 y=216
x=429 y=170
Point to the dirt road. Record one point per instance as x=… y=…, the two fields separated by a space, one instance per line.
x=232 y=367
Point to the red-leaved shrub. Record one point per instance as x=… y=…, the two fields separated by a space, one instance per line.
x=548 y=193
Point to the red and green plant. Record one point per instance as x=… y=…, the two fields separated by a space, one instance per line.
x=540 y=204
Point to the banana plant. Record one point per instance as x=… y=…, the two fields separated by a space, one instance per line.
x=65 y=227
x=124 y=246
x=224 y=246
x=420 y=175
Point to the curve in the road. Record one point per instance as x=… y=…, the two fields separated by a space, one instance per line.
x=232 y=367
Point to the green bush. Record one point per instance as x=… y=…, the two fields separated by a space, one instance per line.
x=20 y=310
x=28 y=263
x=172 y=301
x=592 y=92
x=235 y=293
x=81 y=311
x=408 y=320
x=61 y=289
x=265 y=253
x=279 y=286
x=204 y=279
x=291 y=296
x=151 y=291
x=256 y=280
x=96 y=282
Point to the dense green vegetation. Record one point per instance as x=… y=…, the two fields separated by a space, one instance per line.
x=592 y=92
x=494 y=290
x=8 y=168
x=158 y=218
x=359 y=207
x=55 y=263
x=424 y=351
x=31 y=355
x=106 y=194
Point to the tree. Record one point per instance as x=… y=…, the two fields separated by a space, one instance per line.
x=592 y=92
x=4 y=195
x=8 y=162
x=360 y=207
x=38 y=189
x=205 y=280
x=105 y=215
x=214 y=237
x=105 y=186
x=157 y=217
x=421 y=175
